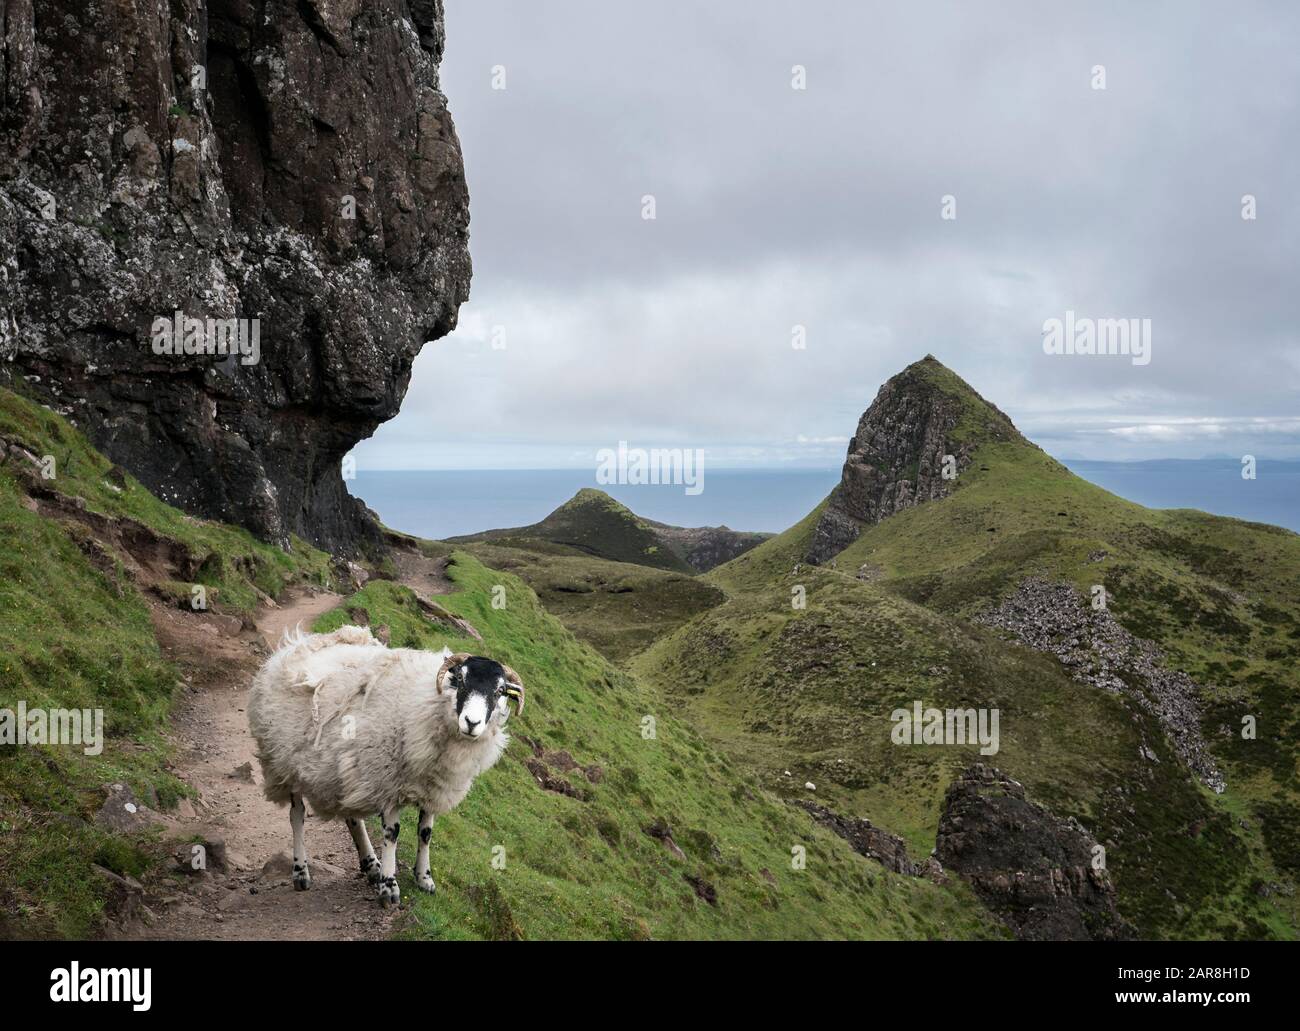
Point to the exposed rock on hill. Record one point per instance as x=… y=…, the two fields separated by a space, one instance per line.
x=889 y=850
x=293 y=163
x=593 y=522
x=1030 y=867
x=896 y=457
x=1096 y=650
x=703 y=547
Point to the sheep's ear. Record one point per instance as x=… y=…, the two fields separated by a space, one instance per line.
x=447 y=663
x=514 y=688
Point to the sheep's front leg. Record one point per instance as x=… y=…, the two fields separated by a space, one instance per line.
x=297 y=816
x=423 y=878
x=365 y=851
x=389 y=893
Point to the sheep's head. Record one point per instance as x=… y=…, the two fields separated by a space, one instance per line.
x=483 y=689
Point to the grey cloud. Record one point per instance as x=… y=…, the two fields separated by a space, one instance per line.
x=821 y=207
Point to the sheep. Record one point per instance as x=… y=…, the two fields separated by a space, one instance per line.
x=354 y=728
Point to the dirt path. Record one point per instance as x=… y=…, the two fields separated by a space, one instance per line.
x=249 y=896
x=424 y=575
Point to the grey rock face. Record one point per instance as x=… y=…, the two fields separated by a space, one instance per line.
x=290 y=162
x=896 y=458
x=1095 y=649
x=868 y=840
x=702 y=548
x=1033 y=869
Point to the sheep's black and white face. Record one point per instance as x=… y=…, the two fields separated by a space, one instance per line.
x=480 y=686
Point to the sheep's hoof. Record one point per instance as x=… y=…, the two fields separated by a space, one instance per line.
x=389 y=893
x=370 y=867
x=301 y=878
x=425 y=883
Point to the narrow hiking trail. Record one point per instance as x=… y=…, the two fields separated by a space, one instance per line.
x=245 y=893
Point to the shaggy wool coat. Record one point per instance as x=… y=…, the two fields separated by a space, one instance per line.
x=356 y=727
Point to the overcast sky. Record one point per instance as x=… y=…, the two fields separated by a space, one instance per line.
x=821 y=207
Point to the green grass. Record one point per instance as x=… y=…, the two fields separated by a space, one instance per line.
x=1221 y=597
x=810 y=691
x=230 y=561
x=617 y=607
x=76 y=633
x=593 y=523
x=587 y=869
x=742 y=687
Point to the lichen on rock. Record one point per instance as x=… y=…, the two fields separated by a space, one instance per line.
x=897 y=457
x=293 y=163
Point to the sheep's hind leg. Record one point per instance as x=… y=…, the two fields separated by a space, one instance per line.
x=389 y=893
x=297 y=815
x=365 y=851
x=423 y=878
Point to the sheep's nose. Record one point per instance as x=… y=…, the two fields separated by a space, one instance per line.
x=470 y=725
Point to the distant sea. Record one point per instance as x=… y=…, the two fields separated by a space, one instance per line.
x=1210 y=484
x=440 y=504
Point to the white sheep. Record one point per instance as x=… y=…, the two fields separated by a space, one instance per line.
x=355 y=728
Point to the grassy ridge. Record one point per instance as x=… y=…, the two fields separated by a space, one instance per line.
x=617 y=607
x=594 y=524
x=587 y=868
x=810 y=691
x=1221 y=597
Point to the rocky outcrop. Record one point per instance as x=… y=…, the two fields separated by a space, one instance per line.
x=292 y=163
x=896 y=458
x=866 y=839
x=1038 y=872
x=704 y=547
x=1095 y=649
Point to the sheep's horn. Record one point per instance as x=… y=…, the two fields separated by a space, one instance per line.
x=514 y=688
x=447 y=663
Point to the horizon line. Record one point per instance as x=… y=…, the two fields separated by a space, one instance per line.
x=793 y=469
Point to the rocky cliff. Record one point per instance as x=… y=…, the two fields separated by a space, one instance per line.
x=897 y=456
x=704 y=547
x=288 y=164
x=1045 y=876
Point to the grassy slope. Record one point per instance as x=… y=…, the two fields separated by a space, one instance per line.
x=595 y=524
x=811 y=691
x=586 y=868
x=1220 y=596
x=617 y=607
x=77 y=634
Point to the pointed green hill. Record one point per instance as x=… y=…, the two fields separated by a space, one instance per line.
x=894 y=614
x=593 y=523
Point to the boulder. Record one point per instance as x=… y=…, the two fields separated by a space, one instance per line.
x=1042 y=874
